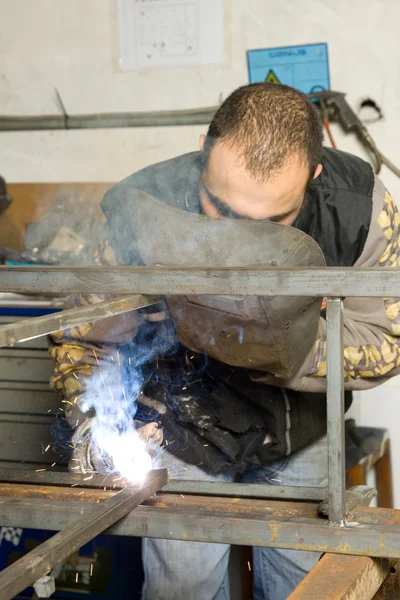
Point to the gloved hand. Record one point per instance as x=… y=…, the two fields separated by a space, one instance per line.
x=86 y=457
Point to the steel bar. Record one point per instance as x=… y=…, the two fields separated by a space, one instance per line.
x=28 y=329
x=99 y=517
x=203 y=523
x=177 y=486
x=167 y=118
x=335 y=411
x=242 y=281
x=343 y=578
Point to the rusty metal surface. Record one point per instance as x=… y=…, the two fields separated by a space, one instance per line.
x=343 y=578
x=175 y=486
x=43 y=558
x=169 y=281
x=390 y=588
x=240 y=521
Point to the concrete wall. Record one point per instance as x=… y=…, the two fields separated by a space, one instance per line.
x=72 y=45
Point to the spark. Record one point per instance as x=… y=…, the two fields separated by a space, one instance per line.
x=38 y=470
x=47 y=448
x=77 y=467
x=61 y=409
x=80 y=493
x=183 y=496
x=205 y=445
x=76 y=578
x=75 y=399
x=104 y=488
x=91 y=569
x=71 y=446
x=111 y=394
x=95 y=355
x=75 y=375
x=249 y=565
x=124 y=393
x=119 y=362
x=76 y=459
x=87 y=478
x=117 y=479
x=74 y=484
x=250 y=360
x=67 y=402
x=184 y=388
x=274 y=479
x=54 y=464
x=70 y=358
x=49 y=410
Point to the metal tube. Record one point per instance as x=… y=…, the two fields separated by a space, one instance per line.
x=42 y=559
x=242 y=281
x=28 y=329
x=170 y=118
x=335 y=411
x=375 y=532
x=177 y=486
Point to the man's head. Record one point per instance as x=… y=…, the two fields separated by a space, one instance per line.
x=262 y=149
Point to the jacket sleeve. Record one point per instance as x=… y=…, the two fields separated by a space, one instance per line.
x=83 y=354
x=371 y=325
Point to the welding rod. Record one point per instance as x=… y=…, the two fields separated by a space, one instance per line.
x=28 y=329
x=43 y=558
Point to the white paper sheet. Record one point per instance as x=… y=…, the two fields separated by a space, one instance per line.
x=167 y=33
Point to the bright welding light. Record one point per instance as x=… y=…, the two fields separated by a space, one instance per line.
x=126 y=450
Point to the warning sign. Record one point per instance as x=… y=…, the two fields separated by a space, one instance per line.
x=271 y=77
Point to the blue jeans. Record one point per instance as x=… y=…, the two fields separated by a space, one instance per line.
x=180 y=570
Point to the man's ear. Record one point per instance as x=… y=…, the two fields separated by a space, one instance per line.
x=202 y=141
x=318 y=171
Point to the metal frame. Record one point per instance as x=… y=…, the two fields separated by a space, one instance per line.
x=344 y=533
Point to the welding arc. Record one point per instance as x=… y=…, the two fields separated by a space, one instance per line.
x=40 y=561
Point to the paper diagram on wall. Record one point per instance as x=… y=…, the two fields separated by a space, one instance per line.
x=165 y=33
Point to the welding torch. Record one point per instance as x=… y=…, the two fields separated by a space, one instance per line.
x=334 y=106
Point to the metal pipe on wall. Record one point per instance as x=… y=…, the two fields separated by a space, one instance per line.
x=171 y=118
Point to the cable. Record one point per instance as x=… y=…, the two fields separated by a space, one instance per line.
x=329 y=133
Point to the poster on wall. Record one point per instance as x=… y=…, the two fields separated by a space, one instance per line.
x=169 y=33
x=303 y=67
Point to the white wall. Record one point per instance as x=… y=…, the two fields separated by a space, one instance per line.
x=71 y=45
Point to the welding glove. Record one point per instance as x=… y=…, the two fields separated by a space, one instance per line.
x=86 y=457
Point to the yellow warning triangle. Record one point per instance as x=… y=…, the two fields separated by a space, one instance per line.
x=271 y=77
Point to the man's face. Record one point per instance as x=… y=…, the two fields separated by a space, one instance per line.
x=228 y=190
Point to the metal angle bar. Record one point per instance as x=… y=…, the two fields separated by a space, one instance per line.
x=202 y=525
x=177 y=486
x=246 y=490
x=99 y=517
x=28 y=329
x=335 y=411
x=263 y=281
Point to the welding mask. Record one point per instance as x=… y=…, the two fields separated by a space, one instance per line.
x=265 y=333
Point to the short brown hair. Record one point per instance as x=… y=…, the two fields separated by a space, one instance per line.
x=269 y=123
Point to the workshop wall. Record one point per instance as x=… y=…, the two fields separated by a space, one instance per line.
x=72 y=45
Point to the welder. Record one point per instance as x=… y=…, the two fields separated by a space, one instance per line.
x=237 y=385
